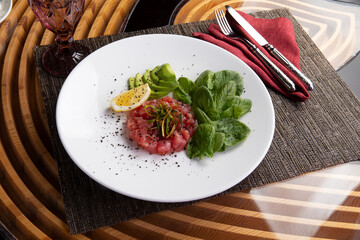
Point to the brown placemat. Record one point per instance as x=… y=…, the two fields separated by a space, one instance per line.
x=322 y=132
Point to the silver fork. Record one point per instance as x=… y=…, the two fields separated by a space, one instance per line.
x=228 y=31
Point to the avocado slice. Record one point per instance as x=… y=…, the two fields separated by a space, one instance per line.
x=158 y=94
x=171 y=85
x=138 y=80
x=147 y=79
x=153 y=75
x=165 y=72
x=131 y=82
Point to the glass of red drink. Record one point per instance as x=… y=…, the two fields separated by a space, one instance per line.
x=60 y=17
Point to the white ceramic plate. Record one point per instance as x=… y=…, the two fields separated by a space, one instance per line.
x=96 y=138
x=5 y=7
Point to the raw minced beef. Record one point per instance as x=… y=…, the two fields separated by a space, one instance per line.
x=144 y=131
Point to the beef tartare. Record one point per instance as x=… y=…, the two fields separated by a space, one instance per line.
x=162 y=126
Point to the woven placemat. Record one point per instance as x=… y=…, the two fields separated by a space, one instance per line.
x=322 y=132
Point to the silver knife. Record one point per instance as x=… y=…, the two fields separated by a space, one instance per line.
x=262 y=42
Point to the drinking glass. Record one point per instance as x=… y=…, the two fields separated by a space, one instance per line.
x=60 y=17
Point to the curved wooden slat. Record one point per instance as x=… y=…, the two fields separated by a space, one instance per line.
x=27 y=99
x=29 y=205
x=199 y=11
x=108 y=233
x=10 y=103
x=7 y=27
x=87 y=19
x=119 y=17
x=18 y=86
x=22 y=225
x=102 y=18
x=322 y=207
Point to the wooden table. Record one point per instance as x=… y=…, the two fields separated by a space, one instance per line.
x=319 y=205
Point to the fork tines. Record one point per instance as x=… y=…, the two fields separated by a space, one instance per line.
x=222 y=21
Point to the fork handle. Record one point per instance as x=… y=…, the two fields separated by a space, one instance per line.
x=280 y=75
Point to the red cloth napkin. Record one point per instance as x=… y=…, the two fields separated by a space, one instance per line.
x=280 y=33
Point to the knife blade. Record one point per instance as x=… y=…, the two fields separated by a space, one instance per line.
x=271 y=49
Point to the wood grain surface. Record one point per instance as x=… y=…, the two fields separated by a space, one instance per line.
x=320 y=205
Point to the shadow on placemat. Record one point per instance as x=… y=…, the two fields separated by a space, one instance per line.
x=322 y=132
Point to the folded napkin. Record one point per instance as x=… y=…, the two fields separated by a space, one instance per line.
x=280 y=33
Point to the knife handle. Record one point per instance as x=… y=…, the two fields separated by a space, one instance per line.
x=280 y=75
x=273 y=51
